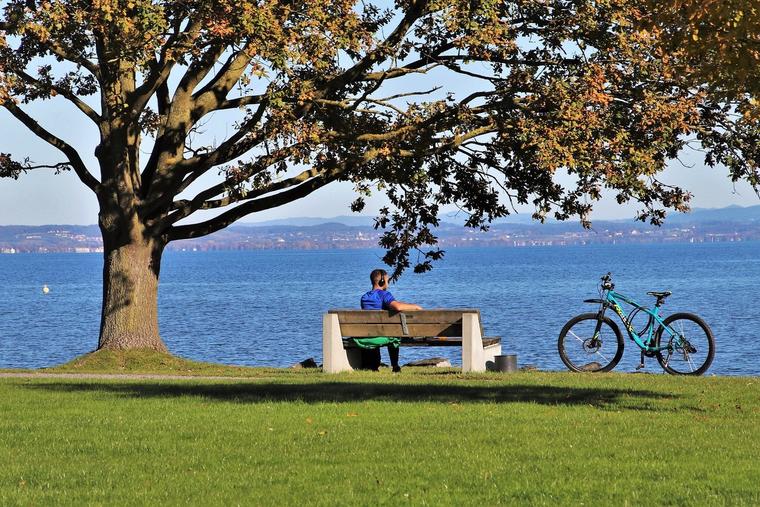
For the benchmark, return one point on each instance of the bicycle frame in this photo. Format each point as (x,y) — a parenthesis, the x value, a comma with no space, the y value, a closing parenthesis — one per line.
(613,300)
(681,342)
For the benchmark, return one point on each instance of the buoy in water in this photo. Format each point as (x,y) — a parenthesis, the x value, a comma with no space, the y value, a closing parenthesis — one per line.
(45,289)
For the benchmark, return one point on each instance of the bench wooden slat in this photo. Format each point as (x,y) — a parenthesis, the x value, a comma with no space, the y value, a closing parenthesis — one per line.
(433,342)
(369,330)
(353,316)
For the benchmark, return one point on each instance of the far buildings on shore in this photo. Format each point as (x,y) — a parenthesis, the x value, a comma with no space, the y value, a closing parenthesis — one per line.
(705,226)
(50,239)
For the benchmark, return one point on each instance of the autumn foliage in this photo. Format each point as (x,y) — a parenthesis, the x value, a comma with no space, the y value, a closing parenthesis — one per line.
(715,46)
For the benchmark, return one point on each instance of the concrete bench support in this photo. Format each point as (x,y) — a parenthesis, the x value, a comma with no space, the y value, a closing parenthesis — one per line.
(473,355)
(335,357)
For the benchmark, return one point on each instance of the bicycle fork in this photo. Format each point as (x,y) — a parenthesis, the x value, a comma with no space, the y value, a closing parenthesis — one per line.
(599,319)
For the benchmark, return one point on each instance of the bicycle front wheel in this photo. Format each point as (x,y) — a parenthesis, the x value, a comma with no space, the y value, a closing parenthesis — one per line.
(690,345)
(581,350)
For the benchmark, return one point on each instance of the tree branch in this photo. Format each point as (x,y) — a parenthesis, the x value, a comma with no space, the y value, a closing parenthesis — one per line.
(189,170)
(185,208)
(248,100)
(67,94)
(416,10)
(61,52)
(272,201)
(162,67)
(215,91)
(198,70)
(60,166)
(71,154)
(397,72)
(171,136)
(230,149)
(428,62)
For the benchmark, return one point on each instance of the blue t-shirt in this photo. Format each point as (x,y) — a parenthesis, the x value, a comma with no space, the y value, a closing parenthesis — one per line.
(377,299)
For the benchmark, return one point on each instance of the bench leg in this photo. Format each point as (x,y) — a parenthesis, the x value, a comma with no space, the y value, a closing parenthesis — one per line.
(490,354)
(334,356)
(473,357)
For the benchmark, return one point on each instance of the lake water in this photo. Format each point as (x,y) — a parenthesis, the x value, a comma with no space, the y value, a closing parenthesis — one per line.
(264,308)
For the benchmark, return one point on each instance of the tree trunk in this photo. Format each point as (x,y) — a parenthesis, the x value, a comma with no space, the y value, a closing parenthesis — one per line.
(130,295)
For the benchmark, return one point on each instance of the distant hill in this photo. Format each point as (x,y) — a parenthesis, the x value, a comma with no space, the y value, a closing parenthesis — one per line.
(729,214)
(701,225)
(355,220)
(697,215)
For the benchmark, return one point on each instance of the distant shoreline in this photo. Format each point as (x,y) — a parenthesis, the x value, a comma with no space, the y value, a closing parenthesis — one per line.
(178,248)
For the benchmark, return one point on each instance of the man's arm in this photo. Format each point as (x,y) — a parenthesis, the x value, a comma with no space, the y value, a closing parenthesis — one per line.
(400,306)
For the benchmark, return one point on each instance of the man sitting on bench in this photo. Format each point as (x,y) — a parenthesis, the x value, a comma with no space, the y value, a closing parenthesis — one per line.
(380,299)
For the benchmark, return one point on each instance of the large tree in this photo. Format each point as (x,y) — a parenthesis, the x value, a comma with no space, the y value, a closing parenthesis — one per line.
(475,103)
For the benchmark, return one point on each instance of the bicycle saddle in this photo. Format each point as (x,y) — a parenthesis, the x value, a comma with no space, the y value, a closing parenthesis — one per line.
(660,294)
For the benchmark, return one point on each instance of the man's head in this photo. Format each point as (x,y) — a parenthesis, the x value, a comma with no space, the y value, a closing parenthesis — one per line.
(379,278)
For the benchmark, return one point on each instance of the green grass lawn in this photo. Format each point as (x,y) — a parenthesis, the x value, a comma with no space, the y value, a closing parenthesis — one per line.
(423,438)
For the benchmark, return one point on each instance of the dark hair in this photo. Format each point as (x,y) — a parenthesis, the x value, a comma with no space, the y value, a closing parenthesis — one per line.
(377,275)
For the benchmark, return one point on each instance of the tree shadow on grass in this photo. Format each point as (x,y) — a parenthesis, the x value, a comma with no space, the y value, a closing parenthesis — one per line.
(343,392)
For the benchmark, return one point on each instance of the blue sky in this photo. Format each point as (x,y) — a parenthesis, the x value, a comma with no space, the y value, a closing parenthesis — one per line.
(41,197)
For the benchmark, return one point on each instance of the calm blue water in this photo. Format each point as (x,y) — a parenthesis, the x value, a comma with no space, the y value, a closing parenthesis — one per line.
(265,307)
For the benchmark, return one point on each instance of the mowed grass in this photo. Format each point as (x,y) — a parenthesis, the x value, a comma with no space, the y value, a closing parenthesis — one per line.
(154,363)
(422,438)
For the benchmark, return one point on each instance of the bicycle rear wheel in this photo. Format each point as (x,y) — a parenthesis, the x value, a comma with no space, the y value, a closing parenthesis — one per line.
(690,347)
(581,351)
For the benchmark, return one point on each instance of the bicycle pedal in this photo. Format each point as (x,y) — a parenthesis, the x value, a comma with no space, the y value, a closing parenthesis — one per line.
(640,366)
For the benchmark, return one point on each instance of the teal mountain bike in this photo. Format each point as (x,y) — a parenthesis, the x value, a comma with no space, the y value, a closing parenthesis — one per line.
(682,343)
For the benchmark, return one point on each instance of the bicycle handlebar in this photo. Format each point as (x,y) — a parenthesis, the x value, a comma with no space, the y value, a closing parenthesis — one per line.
(607,281)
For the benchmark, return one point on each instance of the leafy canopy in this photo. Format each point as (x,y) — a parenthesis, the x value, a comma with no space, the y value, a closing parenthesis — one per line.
(480,104)
(715,46)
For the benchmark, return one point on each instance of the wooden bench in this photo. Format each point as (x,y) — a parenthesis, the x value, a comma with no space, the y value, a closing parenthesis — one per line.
(442,327)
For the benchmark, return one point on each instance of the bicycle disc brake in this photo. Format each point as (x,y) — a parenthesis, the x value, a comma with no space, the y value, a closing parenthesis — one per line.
(592,345)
